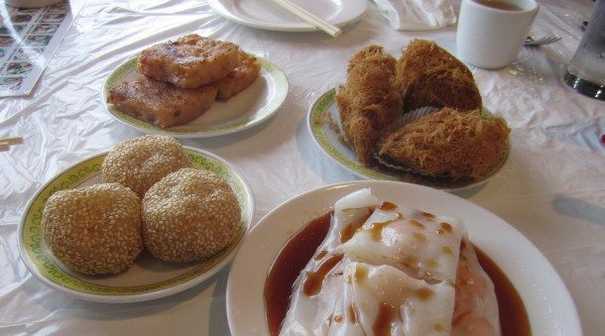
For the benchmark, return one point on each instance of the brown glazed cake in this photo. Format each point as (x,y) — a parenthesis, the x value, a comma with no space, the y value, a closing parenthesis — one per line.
(161,103)
(189,62)
(240,78)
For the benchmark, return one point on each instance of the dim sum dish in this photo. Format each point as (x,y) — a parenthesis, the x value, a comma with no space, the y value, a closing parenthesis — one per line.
(388,258)
(417,119)
(194,86)
(148,219)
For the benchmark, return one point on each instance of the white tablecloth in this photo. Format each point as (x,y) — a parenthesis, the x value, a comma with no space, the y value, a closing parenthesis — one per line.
(552,187)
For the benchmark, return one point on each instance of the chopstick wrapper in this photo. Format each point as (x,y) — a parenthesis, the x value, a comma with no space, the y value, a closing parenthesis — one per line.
(417,14)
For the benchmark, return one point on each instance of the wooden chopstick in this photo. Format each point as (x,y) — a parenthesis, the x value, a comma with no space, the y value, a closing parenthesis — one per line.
(11,141)
(7,142)
(309,17)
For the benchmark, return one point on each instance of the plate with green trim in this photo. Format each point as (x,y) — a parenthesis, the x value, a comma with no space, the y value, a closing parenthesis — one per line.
(148,278)
(256,104)
(323,121)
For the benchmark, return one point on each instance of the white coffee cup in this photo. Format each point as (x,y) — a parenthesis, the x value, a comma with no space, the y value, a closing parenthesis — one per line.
(489,37)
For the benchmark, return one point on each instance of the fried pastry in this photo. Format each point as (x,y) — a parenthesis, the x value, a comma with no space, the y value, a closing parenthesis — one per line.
(189,62)
(448,144)
(240,78)
(160,103)
(369,100)
(94,229)
(427,75)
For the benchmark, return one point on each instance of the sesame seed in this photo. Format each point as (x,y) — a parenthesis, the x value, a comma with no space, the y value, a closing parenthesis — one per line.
(94,229)
(141,162)
(189,215)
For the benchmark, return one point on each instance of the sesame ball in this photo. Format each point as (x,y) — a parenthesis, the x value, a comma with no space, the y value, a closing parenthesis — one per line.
(94,229)
(140,162)
(189,215)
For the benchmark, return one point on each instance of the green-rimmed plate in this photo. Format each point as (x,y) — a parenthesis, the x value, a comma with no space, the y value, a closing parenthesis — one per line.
(324,126)
(149,278)
(250,107)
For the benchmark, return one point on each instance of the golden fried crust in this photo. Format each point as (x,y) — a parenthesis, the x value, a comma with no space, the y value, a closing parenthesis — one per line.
(189,215)
(427,75)
(448,143)
(441,87)
(240,78)
(189,62)
(94,229)
(369,100)
(141,162)
(160,103)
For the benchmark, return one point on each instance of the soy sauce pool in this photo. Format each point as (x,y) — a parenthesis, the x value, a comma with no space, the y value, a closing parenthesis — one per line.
(300,249)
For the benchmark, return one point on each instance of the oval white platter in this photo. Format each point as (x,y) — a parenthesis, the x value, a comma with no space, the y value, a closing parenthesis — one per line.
(264,14)
(256,104)
(549,305)
(323,118)
(148,278)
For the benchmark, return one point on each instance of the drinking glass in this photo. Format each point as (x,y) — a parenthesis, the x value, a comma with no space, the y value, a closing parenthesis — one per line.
(586,71)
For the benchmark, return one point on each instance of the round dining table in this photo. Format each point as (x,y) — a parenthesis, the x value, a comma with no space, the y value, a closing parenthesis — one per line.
(552,187)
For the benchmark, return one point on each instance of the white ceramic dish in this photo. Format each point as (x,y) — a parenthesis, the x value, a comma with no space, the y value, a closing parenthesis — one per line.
(549,305)
(264,14)
(254,105)
(148,278)
(330,142)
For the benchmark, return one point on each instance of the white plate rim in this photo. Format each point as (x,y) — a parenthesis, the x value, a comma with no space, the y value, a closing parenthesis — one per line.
(277,74)
(161,293)
(573,320)
(359,173)
(221,10)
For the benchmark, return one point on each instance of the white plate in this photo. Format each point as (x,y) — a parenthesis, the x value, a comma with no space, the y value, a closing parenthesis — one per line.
(264,14)
(330,142)
(148,278)
(254,105)
(549,306)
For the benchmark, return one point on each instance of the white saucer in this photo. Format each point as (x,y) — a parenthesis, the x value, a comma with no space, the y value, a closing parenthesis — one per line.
(264,14)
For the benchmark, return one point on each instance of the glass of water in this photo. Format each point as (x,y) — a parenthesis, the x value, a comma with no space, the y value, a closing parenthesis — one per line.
(586,71)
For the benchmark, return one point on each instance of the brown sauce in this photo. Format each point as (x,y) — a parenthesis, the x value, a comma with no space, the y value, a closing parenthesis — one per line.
(503,5)
(447,228)
(352,314)
(320,255)
(314,280)
(424,293)
(290,261)
(376,228)
(427,214)
(386,314)
(348,232)
(416,223)
(300,249)
(388,206)
(513,316)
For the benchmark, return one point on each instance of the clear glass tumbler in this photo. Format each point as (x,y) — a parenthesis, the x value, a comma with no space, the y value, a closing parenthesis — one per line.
(586,71)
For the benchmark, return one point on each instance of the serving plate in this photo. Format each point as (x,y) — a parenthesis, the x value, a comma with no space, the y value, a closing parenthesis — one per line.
(264,14)
(254,105)
(550,308)
(149,278)
(323,121)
